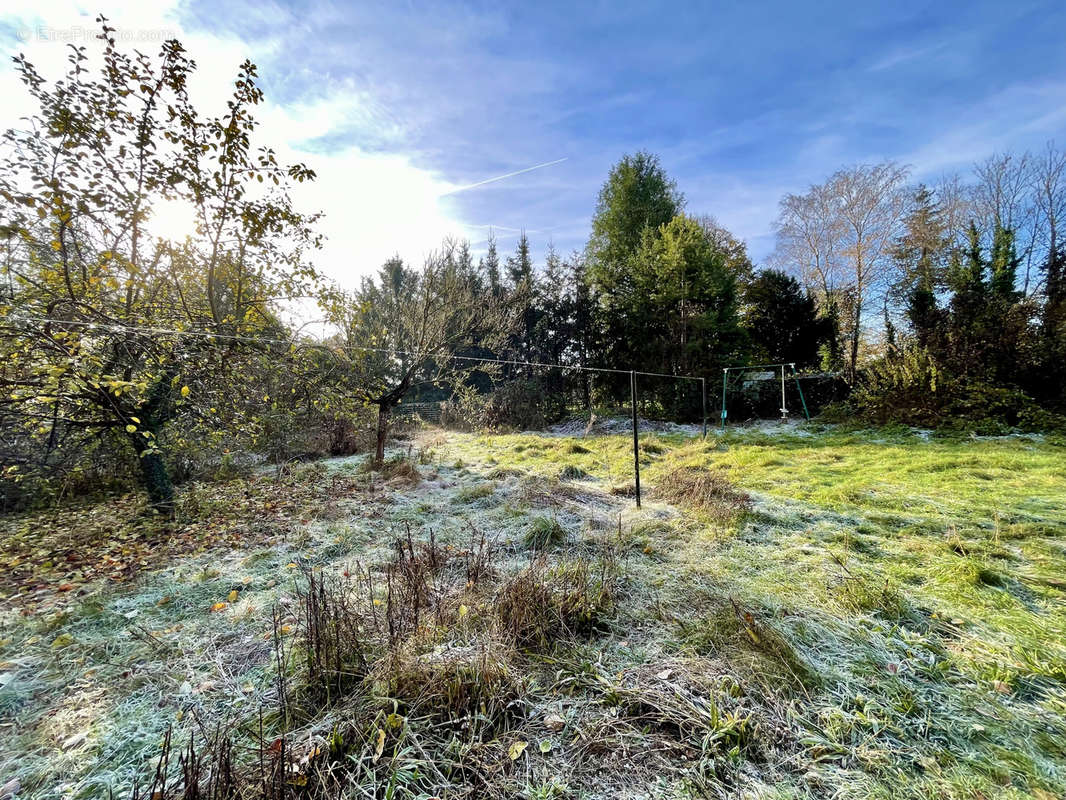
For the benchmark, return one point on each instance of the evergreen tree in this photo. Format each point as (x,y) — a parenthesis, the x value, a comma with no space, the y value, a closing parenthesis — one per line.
(636,200)
(685,300)
(1003,265)
(637,196)
(520,265)
(782,320)
(921,253)
(490,268)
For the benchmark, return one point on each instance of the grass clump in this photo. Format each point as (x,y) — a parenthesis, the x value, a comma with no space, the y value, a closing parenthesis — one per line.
(543,604)
(732,630)
(572,473)
(708,490)
(503,473)
(479,491)
(652,445)
(544,532)
(396,471)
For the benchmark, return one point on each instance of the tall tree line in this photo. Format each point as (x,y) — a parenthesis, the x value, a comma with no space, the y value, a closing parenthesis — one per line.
(656,289)
(963,276)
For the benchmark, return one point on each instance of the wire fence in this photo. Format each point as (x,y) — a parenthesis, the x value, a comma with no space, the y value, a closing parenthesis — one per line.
(650,383)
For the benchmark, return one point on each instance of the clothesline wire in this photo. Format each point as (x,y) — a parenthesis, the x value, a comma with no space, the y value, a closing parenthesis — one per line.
(119,327)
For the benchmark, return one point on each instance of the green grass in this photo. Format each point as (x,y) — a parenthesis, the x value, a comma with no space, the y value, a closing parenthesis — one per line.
(924,577)
(887,619)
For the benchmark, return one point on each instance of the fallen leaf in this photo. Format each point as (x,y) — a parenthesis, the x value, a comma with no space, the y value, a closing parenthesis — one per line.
(379,748)
(233,596)
(75,740)
(218,606)
(554,722)
(62,640)
(516,749)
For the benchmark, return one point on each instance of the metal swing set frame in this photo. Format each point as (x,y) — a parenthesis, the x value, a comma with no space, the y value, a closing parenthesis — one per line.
(749,367)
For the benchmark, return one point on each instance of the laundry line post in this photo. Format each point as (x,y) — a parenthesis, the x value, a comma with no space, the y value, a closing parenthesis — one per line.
(636,444)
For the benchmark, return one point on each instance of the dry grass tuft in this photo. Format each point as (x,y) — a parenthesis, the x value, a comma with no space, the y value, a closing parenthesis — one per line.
(401,471)
(543,604)
(709,491)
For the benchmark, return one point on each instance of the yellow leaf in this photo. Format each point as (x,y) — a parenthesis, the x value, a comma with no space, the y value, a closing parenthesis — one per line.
(291,565)
(463,611)
(379,748)
(218,606)
(62,640)
(131,429)
(517,749)
(136,420)
(233,596)
(185,391)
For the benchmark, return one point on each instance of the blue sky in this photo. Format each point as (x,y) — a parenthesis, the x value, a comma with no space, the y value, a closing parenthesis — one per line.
(401,105)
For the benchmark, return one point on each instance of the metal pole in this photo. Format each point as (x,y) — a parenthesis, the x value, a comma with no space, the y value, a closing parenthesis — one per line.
(703,383)
(725,375)
(636,445)
(784,410)
(803,400)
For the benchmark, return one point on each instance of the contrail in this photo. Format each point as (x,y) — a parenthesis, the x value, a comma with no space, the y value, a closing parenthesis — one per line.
(501,177)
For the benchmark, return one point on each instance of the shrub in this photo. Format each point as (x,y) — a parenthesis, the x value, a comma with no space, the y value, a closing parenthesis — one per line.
(910,388)
(516,405)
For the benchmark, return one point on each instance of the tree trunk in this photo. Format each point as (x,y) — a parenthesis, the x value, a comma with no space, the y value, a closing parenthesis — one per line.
(384,410)
(154,476)
(854,366)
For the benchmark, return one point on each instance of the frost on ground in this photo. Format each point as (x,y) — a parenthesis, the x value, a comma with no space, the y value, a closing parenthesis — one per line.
(815,612)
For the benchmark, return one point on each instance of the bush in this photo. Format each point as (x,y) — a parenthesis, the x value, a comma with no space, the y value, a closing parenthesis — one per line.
(909,388)
(516,405)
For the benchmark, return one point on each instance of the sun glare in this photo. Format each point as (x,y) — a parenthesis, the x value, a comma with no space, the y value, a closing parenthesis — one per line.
(173,220)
